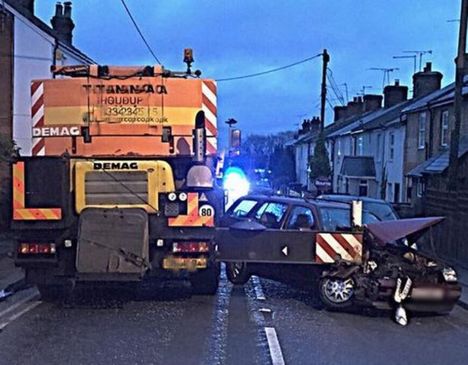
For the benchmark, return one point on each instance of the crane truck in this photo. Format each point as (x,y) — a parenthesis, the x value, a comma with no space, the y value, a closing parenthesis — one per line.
(119,186)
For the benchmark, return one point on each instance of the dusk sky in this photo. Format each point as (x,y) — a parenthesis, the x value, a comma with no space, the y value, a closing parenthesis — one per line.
(234,38)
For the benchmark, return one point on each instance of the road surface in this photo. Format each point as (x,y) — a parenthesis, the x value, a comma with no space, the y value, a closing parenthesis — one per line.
(263,322)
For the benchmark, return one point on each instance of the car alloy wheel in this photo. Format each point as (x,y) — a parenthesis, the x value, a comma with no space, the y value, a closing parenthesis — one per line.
(337,293)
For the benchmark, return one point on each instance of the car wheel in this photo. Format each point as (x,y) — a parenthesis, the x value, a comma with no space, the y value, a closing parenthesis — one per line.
(237,272)
(337,293)
(205,282)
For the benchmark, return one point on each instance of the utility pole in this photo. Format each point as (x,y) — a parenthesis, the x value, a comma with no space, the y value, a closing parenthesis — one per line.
(323,95)
(454,226)
(460,70)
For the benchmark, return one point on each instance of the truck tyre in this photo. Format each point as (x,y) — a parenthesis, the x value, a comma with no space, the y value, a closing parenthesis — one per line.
(237,272)
(337,293)
(205,282)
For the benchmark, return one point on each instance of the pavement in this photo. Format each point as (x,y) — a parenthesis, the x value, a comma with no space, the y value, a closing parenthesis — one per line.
(10,276)
(462,273)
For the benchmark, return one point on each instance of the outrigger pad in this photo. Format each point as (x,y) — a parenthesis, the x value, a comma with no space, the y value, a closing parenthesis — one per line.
(113,241)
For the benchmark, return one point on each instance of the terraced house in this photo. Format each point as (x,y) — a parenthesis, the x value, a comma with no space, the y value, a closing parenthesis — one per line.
(28,48)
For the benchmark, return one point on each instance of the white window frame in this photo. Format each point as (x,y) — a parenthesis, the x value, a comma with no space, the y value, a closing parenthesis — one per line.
(444,128)
(422,118)
(392,146)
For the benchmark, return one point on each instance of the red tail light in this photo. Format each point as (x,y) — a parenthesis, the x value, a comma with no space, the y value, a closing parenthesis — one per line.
(190,247)
(37,248)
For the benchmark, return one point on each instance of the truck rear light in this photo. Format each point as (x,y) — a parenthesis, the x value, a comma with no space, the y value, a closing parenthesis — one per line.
(37,248)
(190,247)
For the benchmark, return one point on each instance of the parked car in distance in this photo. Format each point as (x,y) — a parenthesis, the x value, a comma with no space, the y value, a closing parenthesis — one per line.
(311,242)
(382,209)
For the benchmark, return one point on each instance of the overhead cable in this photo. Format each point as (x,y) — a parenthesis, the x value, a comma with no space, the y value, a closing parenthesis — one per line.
(139,31)
(269,71)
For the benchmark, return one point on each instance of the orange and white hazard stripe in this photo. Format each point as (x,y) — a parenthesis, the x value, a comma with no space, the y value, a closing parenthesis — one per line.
(37,115)
(20,211)
(209,106)
(332,246)
(194,218)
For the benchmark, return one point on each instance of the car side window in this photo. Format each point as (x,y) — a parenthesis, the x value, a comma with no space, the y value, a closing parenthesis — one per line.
(271,214)
(243,208)
(301,218)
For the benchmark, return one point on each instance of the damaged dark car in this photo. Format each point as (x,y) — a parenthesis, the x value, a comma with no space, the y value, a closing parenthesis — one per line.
(317,243)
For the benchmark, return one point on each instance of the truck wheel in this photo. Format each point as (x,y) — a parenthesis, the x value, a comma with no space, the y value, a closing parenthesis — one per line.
(52,293)
(205,282)
(337,293)
(237,272)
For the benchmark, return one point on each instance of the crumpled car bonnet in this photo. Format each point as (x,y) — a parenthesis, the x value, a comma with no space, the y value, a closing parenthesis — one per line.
(413,228)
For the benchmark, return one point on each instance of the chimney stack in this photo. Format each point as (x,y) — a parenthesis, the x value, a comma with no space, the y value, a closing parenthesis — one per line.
(340,112)
(62,22)
(355,107)
(372,102)
(426,81)
(395,94)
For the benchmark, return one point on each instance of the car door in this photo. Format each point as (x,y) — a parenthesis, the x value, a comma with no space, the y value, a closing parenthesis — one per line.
(267,237)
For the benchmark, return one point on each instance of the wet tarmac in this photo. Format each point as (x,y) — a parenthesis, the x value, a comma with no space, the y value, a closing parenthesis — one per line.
(262,322)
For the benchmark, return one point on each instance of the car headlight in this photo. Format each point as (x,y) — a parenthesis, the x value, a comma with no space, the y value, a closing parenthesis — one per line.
(449,274)
(183,197)
(172,197)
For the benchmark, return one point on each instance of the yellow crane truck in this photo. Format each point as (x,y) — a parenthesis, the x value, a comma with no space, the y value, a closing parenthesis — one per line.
(120,182)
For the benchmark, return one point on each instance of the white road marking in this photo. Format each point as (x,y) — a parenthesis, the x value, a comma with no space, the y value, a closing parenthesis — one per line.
(20,302)
(31,305)
(258,288)
(217,347)
(274,346)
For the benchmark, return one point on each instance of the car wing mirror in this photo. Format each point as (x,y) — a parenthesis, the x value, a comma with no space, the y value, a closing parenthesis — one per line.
(251,226)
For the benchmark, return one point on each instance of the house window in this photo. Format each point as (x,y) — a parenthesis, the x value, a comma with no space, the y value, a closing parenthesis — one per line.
(444,128)
(392,145)
(396,193)
(420,188)
(422,130)
(338,147)
(363,188)
(360,146)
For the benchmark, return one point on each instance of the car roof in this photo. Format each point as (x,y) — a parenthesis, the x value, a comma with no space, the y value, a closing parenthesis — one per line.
(349,198)
(295,200)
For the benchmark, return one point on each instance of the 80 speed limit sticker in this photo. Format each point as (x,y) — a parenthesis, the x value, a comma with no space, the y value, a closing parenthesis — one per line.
(206,210)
